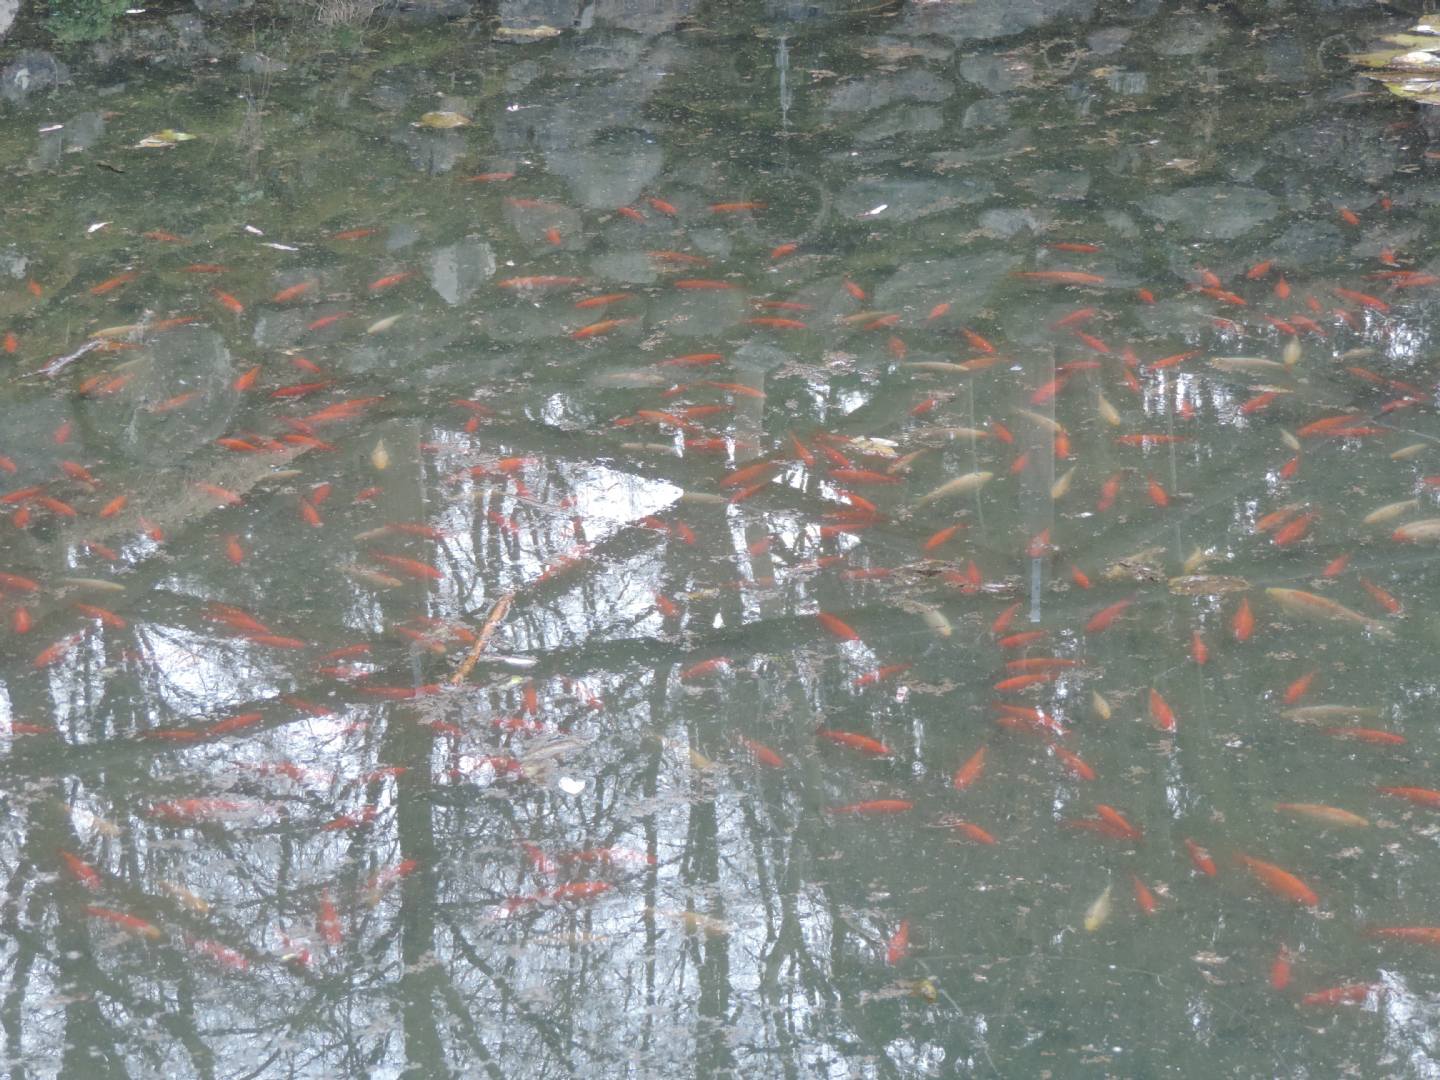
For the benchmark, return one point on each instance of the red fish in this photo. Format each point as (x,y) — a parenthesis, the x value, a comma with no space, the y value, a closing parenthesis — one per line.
(898,946)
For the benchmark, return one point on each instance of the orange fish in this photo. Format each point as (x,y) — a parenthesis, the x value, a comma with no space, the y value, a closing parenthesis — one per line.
(1059,277)
(1418,795)
(1105,617)
(855,741)
(1280,882)
(111,284)
(390,280)
(762,754)
(1073,763)
(130,923)
(1143,896)
(1161,713)
(1280,969)
(873,806)
(971,771)
(973,832)
(228,302)
(599,328)
(81,870)
(899,945)
(1243,622)
(291,292)
(1348,994)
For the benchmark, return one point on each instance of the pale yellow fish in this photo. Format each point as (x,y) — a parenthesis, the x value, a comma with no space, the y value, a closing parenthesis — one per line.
(1099,706)
(1405,453)
(1108,412)
(1061,487)
(441,120)
(937,366)
(1427,530)
(1311,606)
(1326,815)
(373,577)
(704,498)
(381,325)
(1195,560)
(1329,714)
(380,456)
(1098,912)
(959,485)
(1291,355)
(198,904)
(1291,442)
(94,584)
(699,761)
(935,619)
(1390,511)
(1042,420)
(950,433)
(1246,365)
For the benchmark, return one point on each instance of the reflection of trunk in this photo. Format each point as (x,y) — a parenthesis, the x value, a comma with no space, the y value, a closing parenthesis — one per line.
(713,1055)
(405,743)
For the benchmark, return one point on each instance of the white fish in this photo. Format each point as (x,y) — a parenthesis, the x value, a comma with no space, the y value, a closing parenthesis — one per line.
(1098,912)
(959,485)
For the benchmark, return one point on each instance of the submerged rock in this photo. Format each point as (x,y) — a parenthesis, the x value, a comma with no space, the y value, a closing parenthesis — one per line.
(8,10)
(1213,212)
(32,70)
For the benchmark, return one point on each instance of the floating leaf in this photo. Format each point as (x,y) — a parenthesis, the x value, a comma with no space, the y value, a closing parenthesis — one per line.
(440,121)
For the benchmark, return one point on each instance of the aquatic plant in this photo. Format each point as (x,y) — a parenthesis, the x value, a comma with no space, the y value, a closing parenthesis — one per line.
(83,20)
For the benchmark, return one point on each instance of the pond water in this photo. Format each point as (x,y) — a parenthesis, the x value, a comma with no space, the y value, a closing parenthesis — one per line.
(802,540)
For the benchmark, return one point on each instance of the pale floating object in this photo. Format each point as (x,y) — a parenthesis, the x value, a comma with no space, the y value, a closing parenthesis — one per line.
(1207,585)
(1061,487)
(1108,412)
(570,785)
(521,35)
(443,120)
(875,211)
(163,140)
(380,456)
(1291,356)
(886,448)
(1412,532)
(1098,912)
(1405,453)
(381,325)
(960,485)
(1391,511)
(1099,706)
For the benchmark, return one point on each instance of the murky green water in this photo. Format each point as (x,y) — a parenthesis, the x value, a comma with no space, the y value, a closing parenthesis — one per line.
(442,699)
